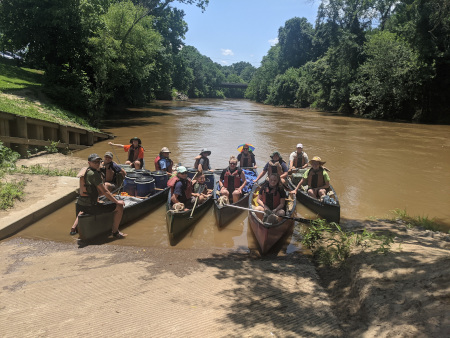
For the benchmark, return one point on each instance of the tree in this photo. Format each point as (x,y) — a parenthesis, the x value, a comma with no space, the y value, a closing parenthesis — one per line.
(283,90)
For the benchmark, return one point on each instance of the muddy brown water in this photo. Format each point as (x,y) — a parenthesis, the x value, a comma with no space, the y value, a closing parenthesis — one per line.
(375,166)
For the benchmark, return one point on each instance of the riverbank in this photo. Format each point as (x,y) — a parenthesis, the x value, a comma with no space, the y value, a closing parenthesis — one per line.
(405,292)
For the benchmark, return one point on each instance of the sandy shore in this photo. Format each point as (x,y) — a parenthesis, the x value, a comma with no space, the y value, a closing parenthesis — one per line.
(116,290)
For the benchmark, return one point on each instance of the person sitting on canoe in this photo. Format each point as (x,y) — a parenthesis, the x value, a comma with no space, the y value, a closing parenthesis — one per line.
(272,196)
(246,158)
(202,160)
(112,174)
(316,178)
(275,166)
(135,152)
(163,162)
(232,180)
(181,188)
(200,190)
(298,159)
(91,186)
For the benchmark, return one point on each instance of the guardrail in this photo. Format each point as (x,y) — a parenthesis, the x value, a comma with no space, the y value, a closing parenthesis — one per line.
(22,132)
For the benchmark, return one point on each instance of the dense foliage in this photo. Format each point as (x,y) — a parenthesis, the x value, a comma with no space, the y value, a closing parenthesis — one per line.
(375,58)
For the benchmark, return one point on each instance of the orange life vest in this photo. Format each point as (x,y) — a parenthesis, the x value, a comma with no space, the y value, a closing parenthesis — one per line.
(312,181)
(271,199)
(274,168)
(299,163)
(187,191)
(232,179)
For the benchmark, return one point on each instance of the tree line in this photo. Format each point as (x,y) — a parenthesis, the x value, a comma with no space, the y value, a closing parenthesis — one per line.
(99,54)
(386,59)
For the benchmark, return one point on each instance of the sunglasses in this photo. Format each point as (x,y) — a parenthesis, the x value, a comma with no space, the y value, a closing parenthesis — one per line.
(232,163)
(246,148)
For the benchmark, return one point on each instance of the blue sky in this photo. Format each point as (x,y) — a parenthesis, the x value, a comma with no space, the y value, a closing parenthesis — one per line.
(230,31)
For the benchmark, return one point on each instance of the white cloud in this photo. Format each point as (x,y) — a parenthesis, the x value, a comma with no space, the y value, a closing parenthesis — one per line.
(273,42)
(225,63)
(227,52)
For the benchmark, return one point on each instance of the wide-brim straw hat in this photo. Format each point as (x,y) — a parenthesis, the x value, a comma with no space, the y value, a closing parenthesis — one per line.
(135,138)
(317,159)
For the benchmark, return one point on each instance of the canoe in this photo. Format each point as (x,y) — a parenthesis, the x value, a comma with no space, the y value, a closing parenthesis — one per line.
(178,222)
(90,226)
(331,211)
(268,234)
(225,215)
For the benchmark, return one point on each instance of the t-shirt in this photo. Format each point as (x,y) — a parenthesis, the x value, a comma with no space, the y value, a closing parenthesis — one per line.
(294,153)
(92,178)
(252,159)
(164,163)
(127,147)
(283,167)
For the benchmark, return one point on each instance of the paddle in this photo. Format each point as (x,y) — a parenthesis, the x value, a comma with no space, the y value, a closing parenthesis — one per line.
(192,212)
(298,219)
(118,160)
(219,171)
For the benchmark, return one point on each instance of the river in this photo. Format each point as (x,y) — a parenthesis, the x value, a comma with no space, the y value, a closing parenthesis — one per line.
(375,166)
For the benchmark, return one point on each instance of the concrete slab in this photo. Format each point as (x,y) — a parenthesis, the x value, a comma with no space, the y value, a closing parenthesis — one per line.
(65,191)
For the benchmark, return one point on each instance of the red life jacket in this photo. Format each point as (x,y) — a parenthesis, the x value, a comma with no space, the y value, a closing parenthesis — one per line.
(313,182)
(157,166)
(232,180)
(187,191)
(268,197)
(299,163)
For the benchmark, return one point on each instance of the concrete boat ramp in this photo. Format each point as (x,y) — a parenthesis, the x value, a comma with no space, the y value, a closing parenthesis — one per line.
(51,289)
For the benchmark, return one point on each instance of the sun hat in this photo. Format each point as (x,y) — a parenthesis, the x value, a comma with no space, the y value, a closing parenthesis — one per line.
(165,150)
(300,145)
(110,154)
(181,169)
(135,138)
(276,153)
(317,159)
(204,150)
(93,157)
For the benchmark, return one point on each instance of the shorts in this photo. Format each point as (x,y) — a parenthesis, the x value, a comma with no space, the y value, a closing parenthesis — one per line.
(97,209)
(140,160)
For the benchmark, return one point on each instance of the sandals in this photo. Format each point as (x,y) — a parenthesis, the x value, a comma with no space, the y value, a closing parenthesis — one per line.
(73,231)
(119,235)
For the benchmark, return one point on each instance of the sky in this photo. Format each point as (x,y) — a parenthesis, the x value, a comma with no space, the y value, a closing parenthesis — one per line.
(231,31)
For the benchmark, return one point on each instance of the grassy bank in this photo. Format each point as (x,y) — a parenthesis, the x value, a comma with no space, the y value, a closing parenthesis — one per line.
(21,93)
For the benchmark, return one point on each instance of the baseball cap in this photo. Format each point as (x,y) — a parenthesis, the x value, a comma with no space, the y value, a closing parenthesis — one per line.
(110,154)
(299,145)
(181,169)
(93,157)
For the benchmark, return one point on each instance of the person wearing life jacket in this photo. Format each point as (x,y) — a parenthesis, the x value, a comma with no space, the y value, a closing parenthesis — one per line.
(246,158)
(232,180)
(275,166)
(202,160)
(272,196)
(135,152)
(316,178)
(112,174)
(200,189)
(163,162)
(298,159)
(181,188)
(91,186)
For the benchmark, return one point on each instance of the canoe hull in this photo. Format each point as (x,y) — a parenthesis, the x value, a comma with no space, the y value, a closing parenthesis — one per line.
(269,234)
(225,215)
(178,222)
(91,226)
(330,212)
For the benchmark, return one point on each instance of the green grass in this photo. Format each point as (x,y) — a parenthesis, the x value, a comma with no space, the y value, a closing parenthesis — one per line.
(416,221)
(23,86)
(38,169)
(10,192)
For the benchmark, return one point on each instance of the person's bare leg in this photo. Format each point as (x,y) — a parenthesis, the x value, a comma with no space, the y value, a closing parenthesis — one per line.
(118,212)
(75,224)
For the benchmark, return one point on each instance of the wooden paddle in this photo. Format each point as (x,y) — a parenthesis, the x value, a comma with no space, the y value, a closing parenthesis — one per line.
(298,219)
(118,160)
(192,212)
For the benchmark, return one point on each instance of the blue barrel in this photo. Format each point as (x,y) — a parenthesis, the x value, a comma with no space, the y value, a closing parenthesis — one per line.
(209,179)
(145,186)
(129,184)
(143,172)
(160,178)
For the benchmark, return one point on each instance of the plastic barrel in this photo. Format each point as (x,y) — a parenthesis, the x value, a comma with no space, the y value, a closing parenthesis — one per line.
(129,185)
(143,172)
(160,178)
(127,168)
(145,186)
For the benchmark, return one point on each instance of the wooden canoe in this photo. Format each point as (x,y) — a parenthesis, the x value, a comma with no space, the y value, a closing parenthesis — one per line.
(91,226)
(178,222)
(225,215)
(268,234)
(329,211)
